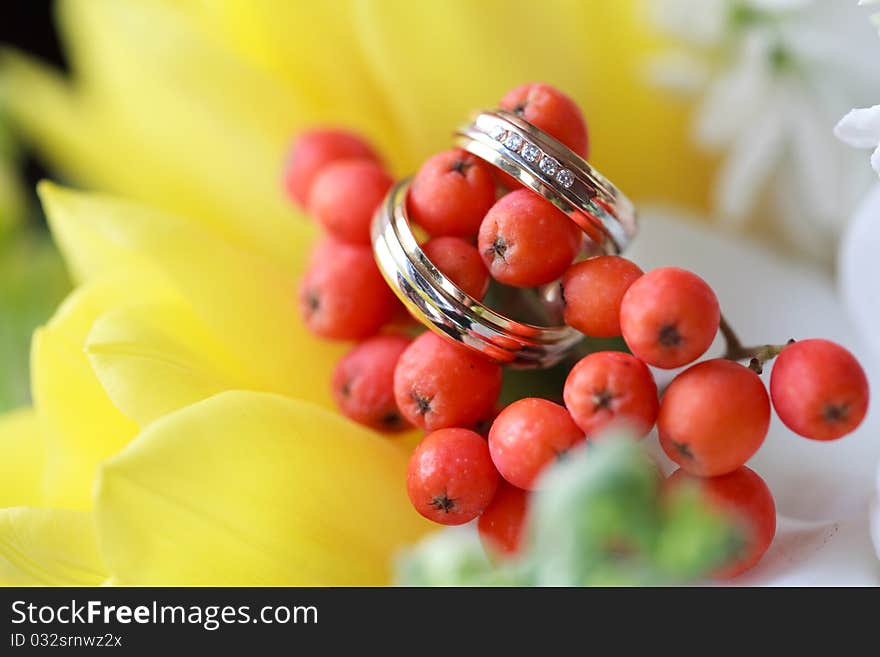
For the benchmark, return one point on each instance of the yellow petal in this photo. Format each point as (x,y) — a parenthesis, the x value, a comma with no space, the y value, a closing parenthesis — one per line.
(49,547)
(475,51)
(249,304)
(22,459)
(42,107)
(253,488)
(80,424)
(314,49)
(204,131)
(154,359)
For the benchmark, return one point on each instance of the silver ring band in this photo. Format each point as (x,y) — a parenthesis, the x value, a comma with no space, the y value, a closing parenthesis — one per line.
(444,308)
(548,167)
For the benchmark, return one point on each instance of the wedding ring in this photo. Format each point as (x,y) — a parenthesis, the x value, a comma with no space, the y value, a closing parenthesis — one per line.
(439,304)
(548,167)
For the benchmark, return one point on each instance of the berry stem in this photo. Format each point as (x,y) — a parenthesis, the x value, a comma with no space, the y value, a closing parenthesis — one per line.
(757,356)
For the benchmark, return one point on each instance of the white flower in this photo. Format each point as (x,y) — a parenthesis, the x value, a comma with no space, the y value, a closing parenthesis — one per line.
(861,129)
(775,75)
(875,17)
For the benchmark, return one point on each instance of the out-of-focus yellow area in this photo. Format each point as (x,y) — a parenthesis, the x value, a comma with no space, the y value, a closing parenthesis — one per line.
(190,105)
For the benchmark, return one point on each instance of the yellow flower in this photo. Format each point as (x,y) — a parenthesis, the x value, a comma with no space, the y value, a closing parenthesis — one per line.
(190,105)
(180,431)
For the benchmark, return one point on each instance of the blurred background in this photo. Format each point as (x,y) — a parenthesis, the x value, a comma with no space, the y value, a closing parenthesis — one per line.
(32,278)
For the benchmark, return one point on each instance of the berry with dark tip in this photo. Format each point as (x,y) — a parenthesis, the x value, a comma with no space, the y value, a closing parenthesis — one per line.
(438,384)
(529,435)
(450,478)
(611,387)
(818,389)
(669,317)
(526,241)
(342,294)
(363,383)
(451,193)
(713,417)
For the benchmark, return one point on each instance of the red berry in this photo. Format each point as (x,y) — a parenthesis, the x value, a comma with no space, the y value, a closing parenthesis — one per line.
(593,290)
(342,294)
(312,151)
(550,110)
(345,195)
(460,262)
(502,523)
(819,390)
(713,417)
(451,478)
(363,382)
(611,386)
(526,241)
(529,435)
(438,384)
(669,317)
(746,499)
(451,194)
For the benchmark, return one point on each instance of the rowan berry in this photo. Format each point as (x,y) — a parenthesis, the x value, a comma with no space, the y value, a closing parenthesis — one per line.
(501,525)
(529,435)
(450,478)
(744,498)
(550,110)
(818,389)
(312,150)
(342,294)
(593,290)
(526,241)
(460,262)
(713,417)
(438,384)
(611,387)
(344,196)
(669,317)
(451,194)
(363,383)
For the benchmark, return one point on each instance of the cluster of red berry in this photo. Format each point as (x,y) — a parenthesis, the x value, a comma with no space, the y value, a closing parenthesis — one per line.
(711,418)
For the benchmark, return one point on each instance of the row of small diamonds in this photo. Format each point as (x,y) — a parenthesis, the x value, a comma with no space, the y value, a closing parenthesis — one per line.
(549,166)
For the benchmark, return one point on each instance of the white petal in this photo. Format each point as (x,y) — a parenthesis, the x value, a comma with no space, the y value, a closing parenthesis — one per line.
(859,270)
(815,159)
(752,159)
(796,226)
(860,128)
(677,71)
(778,5)
(875,160)
(733,100)
(702,22)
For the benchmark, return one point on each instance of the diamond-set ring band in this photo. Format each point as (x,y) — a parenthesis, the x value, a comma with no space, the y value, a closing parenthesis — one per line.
(554,171)
(443,307)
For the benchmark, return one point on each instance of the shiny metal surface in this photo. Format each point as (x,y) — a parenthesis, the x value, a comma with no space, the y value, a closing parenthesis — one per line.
(554,171)
(439,304)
